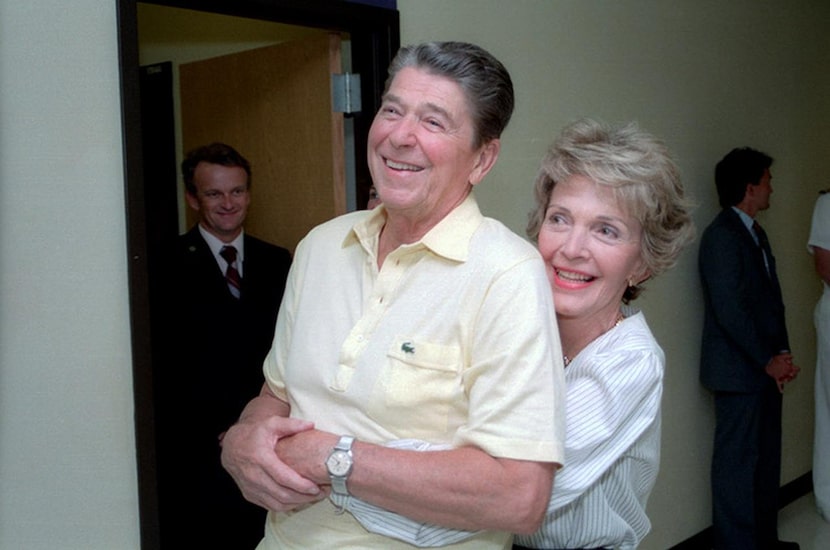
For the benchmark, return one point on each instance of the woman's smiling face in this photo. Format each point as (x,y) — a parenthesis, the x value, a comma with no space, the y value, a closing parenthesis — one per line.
(591,247)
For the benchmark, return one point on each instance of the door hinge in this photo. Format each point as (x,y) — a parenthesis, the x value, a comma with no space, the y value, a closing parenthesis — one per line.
(345,91)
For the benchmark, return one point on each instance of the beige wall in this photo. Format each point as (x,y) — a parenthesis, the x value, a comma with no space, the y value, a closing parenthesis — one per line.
(704,75)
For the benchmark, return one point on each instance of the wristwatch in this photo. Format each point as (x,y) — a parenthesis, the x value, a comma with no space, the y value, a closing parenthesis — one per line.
(339,465)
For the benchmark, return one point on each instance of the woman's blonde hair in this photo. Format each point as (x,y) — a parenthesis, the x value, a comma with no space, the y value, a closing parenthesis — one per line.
(639,170)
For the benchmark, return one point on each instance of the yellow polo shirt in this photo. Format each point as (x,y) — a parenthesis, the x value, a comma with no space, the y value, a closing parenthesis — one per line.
(453,342)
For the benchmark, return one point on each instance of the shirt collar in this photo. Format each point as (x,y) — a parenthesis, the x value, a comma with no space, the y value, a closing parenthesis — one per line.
(746,218)
(216,245)
(748,221)
(449,238)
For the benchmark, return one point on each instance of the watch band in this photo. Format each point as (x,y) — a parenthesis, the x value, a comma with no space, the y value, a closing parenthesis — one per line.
(338,483)
(340,501)
(339,491)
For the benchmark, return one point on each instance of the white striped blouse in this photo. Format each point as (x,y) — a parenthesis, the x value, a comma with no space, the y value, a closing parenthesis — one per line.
(612,443)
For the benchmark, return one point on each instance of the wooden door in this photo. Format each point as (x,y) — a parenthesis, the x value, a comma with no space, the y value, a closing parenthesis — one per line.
(274,105)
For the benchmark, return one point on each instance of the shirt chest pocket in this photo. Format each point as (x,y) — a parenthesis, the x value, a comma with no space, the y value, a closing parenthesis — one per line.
(417,388)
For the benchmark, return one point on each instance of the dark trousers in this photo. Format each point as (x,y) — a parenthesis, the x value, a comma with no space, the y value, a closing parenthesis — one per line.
(200,506)
(746,469)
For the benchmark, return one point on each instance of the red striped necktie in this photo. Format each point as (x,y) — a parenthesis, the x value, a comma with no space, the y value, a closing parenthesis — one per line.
(232,273)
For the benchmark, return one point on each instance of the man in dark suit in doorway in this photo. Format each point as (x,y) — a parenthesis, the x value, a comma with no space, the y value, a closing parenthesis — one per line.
(745,357)
(226,288)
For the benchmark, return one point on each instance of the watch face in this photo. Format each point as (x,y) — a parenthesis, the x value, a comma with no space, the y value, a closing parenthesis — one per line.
(339,463)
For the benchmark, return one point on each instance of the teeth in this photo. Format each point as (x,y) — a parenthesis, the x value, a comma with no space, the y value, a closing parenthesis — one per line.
(400,166)
(571,276)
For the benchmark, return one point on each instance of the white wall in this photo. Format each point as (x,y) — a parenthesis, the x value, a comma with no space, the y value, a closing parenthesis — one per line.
(704,75)
(67,449)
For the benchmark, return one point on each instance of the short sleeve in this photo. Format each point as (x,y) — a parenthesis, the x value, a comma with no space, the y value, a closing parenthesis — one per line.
(820,228)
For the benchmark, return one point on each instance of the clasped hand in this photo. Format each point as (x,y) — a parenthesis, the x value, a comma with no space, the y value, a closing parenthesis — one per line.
(782,369)
(249,455)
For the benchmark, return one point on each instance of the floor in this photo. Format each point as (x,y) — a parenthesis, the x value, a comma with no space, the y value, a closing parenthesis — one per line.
(799,522)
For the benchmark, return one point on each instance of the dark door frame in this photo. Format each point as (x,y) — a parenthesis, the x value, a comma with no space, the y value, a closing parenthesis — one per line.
(375,36)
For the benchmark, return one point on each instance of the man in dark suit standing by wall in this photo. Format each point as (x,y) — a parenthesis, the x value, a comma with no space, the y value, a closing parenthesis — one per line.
(226,288)
(745,357)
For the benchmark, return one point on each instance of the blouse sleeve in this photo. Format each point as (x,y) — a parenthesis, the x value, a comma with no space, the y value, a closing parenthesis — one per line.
(612,398)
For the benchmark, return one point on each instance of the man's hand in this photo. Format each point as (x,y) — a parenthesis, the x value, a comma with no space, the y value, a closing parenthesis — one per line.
(249,456)
(782,369)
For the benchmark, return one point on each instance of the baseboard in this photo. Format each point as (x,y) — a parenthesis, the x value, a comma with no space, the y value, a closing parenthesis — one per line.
(789,493)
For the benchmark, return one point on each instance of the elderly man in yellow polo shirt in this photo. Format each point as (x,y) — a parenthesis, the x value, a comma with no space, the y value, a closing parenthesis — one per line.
(418,320)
